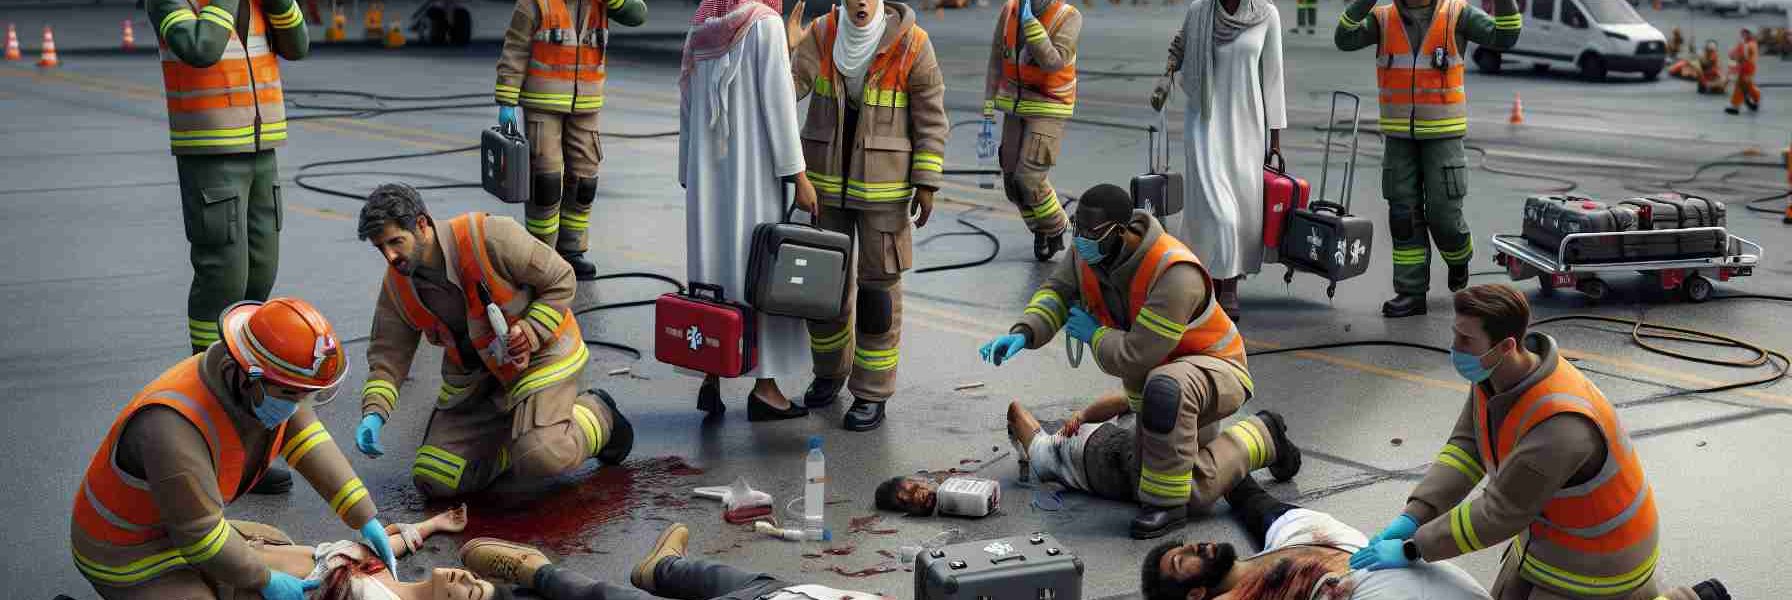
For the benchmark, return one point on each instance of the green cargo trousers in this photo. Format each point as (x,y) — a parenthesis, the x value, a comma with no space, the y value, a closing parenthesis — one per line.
(230,204)
(1424,182)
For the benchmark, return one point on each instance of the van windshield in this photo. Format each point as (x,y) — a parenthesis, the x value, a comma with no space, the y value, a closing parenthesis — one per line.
(1611,12)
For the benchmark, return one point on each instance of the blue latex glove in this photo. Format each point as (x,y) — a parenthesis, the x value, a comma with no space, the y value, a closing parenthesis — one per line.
(1385,554)
(1402,528)
(375,534)
(286,587)
(1081,326)
(367,436)
(507,116)
(999,350)
(1026,10)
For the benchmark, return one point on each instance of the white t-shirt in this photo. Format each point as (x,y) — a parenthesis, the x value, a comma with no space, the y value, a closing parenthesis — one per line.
(1423,581)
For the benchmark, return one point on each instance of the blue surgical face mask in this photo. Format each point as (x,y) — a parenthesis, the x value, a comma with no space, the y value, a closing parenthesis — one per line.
(1469,365)
(1089,249)
(274,410)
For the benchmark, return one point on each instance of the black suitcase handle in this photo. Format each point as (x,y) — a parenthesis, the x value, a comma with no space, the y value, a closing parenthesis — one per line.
(790,211)
(1273,159)
(697,288)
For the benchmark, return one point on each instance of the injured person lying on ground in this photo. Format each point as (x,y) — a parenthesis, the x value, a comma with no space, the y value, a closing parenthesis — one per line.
(664,573)
(348,570)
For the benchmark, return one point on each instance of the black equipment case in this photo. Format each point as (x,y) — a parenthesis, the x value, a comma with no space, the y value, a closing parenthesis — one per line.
(1032,567)
(798,270)
(1158,188)
(504,164)
(1324,238)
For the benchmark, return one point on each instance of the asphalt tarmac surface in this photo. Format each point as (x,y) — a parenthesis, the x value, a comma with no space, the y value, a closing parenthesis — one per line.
(95,277)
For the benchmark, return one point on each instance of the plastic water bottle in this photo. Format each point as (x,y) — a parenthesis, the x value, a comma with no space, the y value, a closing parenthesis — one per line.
(814,491)
(986,154)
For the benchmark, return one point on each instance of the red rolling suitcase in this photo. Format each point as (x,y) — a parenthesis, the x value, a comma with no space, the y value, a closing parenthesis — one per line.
(1282,195)
(707,334)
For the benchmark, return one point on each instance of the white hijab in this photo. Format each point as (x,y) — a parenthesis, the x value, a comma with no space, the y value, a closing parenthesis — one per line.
(854,46)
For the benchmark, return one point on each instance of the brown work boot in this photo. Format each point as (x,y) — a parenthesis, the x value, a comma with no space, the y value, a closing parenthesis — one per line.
(498,560)
(671,543)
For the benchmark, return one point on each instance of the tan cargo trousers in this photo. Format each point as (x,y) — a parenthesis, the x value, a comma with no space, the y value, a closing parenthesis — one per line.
(1029,149)
(864,345)
(1184,459)
(564,152)
(467,447)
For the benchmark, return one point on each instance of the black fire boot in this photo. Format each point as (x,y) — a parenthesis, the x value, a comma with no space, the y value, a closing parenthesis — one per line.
(1458,277)
(1403,305)
(1153,522)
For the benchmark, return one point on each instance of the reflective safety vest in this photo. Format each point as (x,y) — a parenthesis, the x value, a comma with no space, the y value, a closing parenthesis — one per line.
(474,267)
(566,58)
(886,82)
(1059,86)
(1210,333)
(1746,55)
(1611,514)
(1422,95)
(233,106)
(115,507)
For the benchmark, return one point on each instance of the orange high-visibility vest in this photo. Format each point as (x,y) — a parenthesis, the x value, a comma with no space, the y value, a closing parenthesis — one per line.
(473,266)
(566,61)
(1059,85)
(1610,514)
(1210,333)
(233,106)
(1422,96)
(116,508)
(1746,54)
(886,82)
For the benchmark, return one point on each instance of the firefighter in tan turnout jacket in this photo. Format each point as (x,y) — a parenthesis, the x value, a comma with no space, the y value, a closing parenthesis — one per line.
(553,66)
(149,516)
(1144,305)
(505,404)
(874,141)
(1032,80)
(1564,481)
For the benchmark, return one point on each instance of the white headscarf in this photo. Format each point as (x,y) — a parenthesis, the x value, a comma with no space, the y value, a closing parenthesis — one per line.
(854,46)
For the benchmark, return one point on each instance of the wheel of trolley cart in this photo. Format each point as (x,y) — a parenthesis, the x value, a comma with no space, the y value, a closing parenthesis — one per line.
(1696,288)
(1594,288)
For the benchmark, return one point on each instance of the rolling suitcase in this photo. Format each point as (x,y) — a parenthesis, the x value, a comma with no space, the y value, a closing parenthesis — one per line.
(798,270)
(1323,238)
(1548,220)
(1161,191)
(706,334)
(504,164)
(1029,567)
(1282,193)
(1676,211)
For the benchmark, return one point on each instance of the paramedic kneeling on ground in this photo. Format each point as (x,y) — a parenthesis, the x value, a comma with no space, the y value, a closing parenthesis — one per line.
(1566,485)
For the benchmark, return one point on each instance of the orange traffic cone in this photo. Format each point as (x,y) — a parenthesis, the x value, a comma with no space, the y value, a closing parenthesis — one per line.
(12,43)
(1517,110)
(130,37)
(338,30)
(49,57)
(394,38)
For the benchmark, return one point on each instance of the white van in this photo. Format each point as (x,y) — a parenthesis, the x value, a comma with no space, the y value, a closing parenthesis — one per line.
(1594,36)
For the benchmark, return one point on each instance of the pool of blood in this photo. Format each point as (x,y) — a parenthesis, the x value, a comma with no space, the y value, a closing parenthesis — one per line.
(564,518)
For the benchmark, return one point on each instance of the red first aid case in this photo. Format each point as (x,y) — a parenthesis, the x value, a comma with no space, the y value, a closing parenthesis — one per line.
(700,330)
(1282,195)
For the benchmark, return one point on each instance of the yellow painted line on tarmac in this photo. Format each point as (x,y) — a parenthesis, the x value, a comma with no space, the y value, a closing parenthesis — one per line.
(1672,375)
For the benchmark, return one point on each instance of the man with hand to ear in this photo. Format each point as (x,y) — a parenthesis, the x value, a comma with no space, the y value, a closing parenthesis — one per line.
(1179,358)
(1567,486)
(149,519)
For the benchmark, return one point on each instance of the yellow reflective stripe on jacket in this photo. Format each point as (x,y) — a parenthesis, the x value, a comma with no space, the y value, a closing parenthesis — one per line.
(506,93)
(1424,127)
(546,316)
(1049,306)
(299,445)
(179,16)
(1164,485)
(219,16)
(1587,585)
(824,87)
(1346,22)
(876,97)
(289,19)
(891,191)
(440,465)
(381,388)
(566,101)
(202,138)
(876,360)
(829,343)
(825,184)
(1034,108)
(1462,528)
(154,565)
(928,161)
(1159,325)
(1459,459)
(616,4)
(558,371)
(1512,21)
(1095,340)
(352,492)
(448,392)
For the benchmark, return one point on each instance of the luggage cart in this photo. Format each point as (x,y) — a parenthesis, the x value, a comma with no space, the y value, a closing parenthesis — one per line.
(1692,277)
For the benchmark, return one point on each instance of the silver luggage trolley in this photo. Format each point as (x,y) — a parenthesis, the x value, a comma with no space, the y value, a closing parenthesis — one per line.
(1692,277)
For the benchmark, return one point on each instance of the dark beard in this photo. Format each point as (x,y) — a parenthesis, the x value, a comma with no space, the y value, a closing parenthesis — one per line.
(1215,569)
